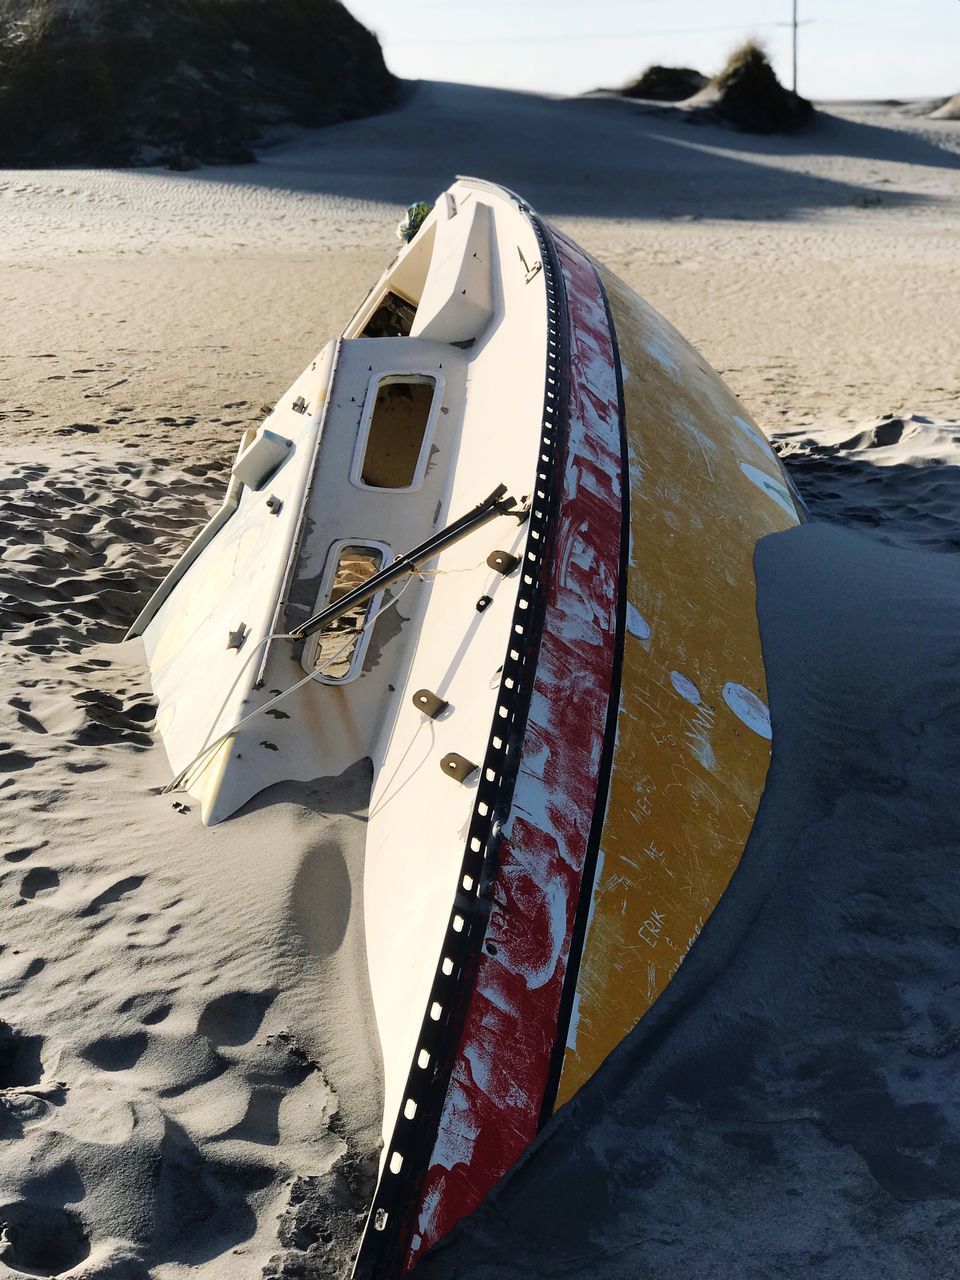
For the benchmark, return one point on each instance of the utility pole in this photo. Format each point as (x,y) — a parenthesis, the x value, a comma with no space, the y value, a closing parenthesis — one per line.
(795,25)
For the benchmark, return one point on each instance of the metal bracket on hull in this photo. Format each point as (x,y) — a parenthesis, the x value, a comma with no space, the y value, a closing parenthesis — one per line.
(458,767)
(429,703)
(503,562)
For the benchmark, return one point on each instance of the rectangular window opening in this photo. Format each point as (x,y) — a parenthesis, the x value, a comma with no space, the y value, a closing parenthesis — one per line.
(336,652)
(396,440)
(393,317)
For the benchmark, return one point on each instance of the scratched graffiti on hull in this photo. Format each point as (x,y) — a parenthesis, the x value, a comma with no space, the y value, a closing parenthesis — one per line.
(494,1099)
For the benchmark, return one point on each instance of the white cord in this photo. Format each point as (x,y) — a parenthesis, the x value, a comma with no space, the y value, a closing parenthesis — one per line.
(209,748)
(274,635)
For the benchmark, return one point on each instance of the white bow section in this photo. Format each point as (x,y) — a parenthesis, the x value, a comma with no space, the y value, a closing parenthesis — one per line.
(458,299)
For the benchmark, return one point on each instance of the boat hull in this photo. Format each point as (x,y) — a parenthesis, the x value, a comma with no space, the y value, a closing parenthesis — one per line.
(636,750)
(564,711)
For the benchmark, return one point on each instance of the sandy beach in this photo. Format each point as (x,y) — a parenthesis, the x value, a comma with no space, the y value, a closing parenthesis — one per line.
(189,1071)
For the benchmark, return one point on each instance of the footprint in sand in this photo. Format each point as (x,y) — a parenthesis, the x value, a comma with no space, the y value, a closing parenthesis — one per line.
(235,1018)
(21,707)
(41,1239)
(148,1007)
(20,1062)
(116,1053)
(109,720)
(14,761)
(78,428)
(89,766)
(24,851)
(113,894)
(39,880)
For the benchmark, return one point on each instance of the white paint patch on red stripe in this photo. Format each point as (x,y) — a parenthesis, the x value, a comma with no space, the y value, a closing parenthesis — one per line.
(493,1103)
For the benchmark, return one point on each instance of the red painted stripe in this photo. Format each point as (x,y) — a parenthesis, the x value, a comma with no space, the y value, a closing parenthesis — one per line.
(492,1107)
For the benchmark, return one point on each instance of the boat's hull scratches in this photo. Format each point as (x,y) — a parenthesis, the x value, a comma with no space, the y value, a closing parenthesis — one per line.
(692,732)
(493,1068)
(502,1070)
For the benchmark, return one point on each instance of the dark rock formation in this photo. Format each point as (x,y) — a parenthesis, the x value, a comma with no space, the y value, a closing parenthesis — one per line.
(176,82)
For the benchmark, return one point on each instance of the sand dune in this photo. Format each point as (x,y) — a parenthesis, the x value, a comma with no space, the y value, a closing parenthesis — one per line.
(178,82)
(189,1081)
(950,110)
(899,477)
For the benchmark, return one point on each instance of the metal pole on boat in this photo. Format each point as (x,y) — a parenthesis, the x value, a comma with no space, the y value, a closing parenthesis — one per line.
(496,504)
(795,26)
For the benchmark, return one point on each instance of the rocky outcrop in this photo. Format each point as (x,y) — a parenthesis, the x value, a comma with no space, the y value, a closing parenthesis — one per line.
(176,82)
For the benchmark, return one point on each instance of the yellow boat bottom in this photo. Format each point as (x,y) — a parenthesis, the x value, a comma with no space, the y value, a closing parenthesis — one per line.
(693,733)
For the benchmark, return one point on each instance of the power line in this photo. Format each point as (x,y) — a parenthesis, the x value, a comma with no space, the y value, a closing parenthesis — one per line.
(511,5)
(565,38)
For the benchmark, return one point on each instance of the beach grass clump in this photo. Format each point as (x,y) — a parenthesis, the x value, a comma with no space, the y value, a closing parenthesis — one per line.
(748,95)
(665,84)
(177,82)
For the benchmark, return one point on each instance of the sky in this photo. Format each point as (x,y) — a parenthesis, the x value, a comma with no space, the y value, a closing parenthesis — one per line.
(847,48)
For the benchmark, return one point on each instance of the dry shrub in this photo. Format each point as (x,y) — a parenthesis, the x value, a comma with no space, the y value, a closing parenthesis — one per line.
(665,84)
(748,94)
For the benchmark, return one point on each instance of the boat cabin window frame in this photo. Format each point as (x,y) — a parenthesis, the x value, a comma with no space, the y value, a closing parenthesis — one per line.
(311,646)
(376,381)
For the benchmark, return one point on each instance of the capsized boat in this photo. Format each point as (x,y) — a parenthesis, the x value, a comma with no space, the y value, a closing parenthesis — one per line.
(497,539)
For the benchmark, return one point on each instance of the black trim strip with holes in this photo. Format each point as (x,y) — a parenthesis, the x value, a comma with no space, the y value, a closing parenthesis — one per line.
(588,878)
(392,1222)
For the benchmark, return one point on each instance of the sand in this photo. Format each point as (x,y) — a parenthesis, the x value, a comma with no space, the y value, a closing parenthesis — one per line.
(189,1079)
(161,1050)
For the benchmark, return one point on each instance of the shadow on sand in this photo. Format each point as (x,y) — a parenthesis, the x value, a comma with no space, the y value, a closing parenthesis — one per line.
(827,134)
(580,156)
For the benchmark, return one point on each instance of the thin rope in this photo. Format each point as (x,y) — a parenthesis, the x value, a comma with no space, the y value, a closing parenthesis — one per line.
(209,748)
(274,635)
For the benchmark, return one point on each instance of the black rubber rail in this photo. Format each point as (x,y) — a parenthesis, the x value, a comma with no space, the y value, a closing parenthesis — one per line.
(497,504)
